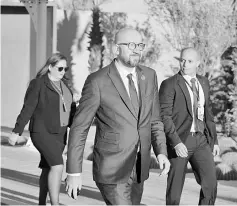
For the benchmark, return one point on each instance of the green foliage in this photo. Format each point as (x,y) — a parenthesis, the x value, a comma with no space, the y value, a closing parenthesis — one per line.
(227,169)
(225,172)
(230,63)
(206,25)
(230,158)
(111,23)
(96,42)
(219,95)
(152,51)
(224,93)
(78,4)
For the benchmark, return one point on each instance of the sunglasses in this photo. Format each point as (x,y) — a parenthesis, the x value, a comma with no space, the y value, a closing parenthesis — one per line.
(62,68)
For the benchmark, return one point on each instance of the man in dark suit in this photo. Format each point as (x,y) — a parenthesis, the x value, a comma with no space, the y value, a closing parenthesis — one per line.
(123,97)
(190,129)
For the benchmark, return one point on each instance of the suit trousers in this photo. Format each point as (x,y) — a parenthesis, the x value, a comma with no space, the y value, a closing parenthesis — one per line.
(202,161)
(129,193)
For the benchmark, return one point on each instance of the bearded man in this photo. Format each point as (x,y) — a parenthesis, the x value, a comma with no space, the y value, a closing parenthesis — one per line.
(123,97)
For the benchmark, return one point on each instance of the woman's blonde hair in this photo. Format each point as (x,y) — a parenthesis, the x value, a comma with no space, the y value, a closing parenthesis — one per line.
(53,60)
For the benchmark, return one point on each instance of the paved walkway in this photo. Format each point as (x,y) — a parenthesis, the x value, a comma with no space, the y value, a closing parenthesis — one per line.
(20,175)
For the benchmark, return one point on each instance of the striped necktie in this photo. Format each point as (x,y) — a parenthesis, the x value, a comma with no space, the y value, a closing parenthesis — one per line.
(195,102)
(133,94)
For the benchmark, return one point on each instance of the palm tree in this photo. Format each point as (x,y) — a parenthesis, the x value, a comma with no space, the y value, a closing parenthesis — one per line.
(96,47)
(85,4)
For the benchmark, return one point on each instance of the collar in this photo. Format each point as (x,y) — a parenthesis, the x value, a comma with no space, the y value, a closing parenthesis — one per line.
(188,78)
(123,71)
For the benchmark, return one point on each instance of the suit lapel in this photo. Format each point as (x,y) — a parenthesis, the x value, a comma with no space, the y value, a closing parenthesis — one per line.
(141,79)
(119,85)
(204,87)
(47,83)
(184,88)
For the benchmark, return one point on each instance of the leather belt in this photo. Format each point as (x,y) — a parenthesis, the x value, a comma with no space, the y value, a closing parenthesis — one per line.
(195,133)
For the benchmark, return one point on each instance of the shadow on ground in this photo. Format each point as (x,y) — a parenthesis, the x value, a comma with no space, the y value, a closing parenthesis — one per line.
(230,199)
(33,180)
(11,197)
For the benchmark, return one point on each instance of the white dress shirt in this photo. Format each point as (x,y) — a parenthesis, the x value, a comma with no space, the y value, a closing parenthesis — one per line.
(123,73)
(201,95)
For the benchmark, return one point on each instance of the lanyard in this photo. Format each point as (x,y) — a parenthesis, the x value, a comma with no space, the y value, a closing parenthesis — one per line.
(60,91)
(192,88)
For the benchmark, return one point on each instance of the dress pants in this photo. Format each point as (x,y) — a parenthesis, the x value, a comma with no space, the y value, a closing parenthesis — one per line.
(129,193)
(202,161)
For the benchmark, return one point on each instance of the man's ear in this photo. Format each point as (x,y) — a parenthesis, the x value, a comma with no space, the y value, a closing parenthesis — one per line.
(115,50)
(198,63)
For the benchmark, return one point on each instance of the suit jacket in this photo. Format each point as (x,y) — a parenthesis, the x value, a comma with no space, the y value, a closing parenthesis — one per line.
(118,130)
(176,110)
(41,108)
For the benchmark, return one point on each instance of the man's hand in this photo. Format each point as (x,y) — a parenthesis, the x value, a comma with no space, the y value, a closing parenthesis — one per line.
(164,164)
(181,150)
(216,150)
(73,185)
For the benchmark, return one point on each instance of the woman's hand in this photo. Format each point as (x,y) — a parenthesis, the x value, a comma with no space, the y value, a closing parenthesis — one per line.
(12,139)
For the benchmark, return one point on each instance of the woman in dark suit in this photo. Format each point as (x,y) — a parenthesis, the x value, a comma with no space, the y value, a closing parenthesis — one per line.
(48,105)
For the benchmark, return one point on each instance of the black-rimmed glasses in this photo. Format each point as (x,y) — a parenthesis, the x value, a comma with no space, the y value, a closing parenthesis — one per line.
(132,45)
(62,68)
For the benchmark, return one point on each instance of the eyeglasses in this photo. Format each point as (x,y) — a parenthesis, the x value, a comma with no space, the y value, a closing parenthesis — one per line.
(132,45)
(62,68)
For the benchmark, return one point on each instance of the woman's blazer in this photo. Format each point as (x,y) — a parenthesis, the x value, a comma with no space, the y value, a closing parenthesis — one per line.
(41,108)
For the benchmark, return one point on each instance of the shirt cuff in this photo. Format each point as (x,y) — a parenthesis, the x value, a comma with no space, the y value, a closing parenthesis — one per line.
(74,174)
(177,144)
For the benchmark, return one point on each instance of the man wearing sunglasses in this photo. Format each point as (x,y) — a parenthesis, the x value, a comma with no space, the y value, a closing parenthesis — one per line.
(123,97)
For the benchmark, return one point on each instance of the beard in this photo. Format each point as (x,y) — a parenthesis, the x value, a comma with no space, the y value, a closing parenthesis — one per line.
(133,60)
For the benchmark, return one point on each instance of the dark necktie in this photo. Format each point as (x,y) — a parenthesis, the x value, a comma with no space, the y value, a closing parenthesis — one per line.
(198,124)
(133,94)
(195,102)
